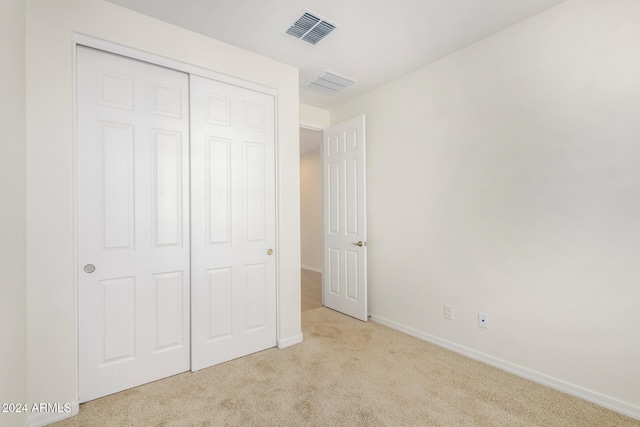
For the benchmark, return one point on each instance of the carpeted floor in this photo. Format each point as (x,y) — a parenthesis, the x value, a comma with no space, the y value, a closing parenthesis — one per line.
(346,373)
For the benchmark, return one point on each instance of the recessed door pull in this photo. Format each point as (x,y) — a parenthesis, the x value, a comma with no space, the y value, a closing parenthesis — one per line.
(89,268)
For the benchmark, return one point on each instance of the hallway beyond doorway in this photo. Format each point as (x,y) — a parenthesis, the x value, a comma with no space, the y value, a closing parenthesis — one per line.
(311,291)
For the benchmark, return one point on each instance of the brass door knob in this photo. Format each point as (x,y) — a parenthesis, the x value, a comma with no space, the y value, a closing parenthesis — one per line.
(269,251)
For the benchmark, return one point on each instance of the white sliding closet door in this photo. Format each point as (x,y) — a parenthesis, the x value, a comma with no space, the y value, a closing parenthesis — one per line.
(133,219)
(233,222)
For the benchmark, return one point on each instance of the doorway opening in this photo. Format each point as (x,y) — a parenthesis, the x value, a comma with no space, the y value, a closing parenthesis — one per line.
(334,215)
(311,218)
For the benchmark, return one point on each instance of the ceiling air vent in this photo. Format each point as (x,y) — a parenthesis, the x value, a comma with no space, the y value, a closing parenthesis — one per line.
(329,83)
(310,28)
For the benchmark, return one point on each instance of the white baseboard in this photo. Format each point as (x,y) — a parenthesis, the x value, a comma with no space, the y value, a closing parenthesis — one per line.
(38,419)
(624,408)
(307,267)
(288,342)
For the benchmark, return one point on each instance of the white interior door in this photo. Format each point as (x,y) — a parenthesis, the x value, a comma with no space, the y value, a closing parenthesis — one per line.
(133,218)
(345,218)
(233,222)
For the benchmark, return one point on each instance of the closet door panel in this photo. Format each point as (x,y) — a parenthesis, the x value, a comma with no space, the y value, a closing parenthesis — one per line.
(233,222)
(133,219)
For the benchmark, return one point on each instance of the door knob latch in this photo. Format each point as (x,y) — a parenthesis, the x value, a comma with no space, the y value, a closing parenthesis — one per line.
(360,243)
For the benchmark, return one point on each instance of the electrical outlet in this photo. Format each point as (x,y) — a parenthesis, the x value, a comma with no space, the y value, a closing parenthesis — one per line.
(483,320)
(448,312)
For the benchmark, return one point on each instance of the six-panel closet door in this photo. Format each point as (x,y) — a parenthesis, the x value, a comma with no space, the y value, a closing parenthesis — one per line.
(158,296)
(233,218)
(133,223)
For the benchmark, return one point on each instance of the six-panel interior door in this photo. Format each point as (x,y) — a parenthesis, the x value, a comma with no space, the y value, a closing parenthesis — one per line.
(133,223)
(233,222)
(345,228)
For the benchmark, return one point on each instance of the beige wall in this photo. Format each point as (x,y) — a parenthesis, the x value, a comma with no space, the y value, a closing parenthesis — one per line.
(505,179)
(13,266)
(311,209)
(50,159)
(313,117)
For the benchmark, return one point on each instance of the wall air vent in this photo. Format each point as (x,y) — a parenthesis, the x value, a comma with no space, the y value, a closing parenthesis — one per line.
(329,83)
(311,28)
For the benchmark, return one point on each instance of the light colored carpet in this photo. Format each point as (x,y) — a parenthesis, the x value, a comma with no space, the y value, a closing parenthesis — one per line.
(346,373)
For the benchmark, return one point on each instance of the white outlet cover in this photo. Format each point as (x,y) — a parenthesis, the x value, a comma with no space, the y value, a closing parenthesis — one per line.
(448,312)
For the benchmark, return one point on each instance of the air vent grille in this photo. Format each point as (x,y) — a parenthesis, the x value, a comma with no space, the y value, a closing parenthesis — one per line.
(310,28)
(329,83)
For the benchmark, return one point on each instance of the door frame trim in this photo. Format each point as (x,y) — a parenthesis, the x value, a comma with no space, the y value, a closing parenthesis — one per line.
(79,39)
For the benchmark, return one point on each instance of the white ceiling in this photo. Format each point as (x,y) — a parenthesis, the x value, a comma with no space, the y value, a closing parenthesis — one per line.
(377,41)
